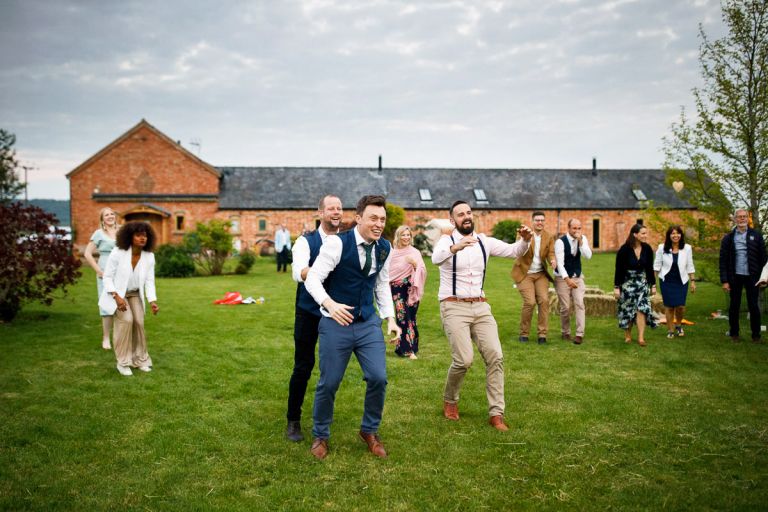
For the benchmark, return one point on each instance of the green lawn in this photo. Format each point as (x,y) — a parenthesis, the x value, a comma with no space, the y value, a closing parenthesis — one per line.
(680,424)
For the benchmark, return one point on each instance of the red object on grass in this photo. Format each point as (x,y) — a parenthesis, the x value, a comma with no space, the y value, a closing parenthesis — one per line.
(230,299)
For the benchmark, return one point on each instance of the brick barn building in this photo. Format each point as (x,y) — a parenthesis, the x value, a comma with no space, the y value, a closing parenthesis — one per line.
(145,175)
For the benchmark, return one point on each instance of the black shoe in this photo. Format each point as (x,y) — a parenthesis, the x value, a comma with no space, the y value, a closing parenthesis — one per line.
(541,341)
(523,339)
(293,432)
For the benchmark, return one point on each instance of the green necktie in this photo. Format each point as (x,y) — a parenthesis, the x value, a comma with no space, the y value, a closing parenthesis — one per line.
(367,266)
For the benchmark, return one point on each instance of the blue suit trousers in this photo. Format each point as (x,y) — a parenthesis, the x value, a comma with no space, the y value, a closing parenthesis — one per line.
(337,344)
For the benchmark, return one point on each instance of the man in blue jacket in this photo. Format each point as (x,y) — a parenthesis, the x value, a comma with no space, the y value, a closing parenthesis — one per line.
(742,256)
(354,267)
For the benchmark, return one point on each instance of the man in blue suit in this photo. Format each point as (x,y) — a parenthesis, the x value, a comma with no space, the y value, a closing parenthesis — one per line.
(351,270)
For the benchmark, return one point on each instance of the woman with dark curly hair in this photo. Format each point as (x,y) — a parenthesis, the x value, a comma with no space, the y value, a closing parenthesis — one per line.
(129,279)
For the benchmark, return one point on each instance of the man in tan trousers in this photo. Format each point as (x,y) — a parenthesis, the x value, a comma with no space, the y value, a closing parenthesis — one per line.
(462,257)
(532,278)
(569,279)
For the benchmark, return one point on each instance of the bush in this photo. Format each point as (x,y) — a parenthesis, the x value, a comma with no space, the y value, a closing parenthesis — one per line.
(245,262)
(173,261)
(506,230)
(36,258)
(210,245)
(395,219)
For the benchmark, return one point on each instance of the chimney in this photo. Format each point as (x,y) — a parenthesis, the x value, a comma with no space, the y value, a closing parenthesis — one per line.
(594,163)
(379,163)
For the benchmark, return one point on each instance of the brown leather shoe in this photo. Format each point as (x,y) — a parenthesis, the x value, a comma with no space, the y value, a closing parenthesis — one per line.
(566,336)
(319,448)
(451,411)
(578,340)
(497,422)
(374,444)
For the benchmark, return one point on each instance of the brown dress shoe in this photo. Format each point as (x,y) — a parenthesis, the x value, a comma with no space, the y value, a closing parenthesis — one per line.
(566,336)
(319,448)
(451,411)
(577,340)
(497,422)
(374,444)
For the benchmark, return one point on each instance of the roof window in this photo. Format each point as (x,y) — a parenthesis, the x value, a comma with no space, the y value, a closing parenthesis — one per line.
(639,194)
(424,194)
(480,195)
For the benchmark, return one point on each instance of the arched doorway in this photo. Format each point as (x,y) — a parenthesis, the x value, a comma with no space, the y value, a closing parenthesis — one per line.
(152,215)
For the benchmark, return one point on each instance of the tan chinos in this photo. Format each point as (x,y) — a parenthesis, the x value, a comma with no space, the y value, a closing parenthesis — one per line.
(129,338)
(464,323)
(534,288)
(566,297)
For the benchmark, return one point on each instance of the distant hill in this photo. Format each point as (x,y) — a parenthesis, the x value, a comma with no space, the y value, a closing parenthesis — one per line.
(58,207)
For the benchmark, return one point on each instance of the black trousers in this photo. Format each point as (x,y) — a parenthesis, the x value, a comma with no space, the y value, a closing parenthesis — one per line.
(747,284)
(304,340)
(283,258)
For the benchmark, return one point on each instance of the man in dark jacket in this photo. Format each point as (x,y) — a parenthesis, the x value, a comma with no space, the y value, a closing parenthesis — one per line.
(742,257)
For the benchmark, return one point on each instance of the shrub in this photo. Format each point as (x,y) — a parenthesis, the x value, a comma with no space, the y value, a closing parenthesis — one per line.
(395,219)
(173,261)
(245,262)
(36,258)
(210,245)
(506,230)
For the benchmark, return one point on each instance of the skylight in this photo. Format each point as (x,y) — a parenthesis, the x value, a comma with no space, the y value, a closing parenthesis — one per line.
(639,194)
(480,195)
(424,194)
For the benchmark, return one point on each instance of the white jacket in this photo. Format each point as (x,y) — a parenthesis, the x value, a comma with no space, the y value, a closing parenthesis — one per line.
(117,273)
(764,274)
(663,262)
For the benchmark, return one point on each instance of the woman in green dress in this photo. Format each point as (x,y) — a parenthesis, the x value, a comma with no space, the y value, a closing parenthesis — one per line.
(102,242)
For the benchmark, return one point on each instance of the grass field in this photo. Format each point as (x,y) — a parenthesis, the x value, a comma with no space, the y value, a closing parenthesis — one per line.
(678,425)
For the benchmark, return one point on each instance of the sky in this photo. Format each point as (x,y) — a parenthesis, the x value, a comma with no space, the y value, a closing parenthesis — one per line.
(444,83)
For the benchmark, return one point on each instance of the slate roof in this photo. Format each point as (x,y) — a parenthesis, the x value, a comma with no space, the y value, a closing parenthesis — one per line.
(248,188)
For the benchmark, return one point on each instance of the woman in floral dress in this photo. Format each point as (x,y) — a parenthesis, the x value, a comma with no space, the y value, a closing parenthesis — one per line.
(407,275)
(634,283)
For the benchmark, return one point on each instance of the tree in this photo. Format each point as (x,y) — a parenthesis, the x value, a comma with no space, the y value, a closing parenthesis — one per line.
(506,230)
(10,185)
(210,244)
(722,157)
(395,219)
(37,258)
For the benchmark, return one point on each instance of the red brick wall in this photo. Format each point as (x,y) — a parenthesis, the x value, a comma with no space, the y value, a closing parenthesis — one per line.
(614,224)
(143,162)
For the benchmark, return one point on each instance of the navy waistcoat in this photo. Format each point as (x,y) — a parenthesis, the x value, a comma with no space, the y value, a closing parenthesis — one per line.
(572,263)
(304,300)
(347,284)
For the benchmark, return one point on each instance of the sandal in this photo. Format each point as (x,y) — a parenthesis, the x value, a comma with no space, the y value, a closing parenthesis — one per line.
(641,343)
(680,331)
(627,340)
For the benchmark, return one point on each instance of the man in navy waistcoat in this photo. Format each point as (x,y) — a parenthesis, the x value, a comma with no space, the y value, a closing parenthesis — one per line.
(351,270)
(307,318)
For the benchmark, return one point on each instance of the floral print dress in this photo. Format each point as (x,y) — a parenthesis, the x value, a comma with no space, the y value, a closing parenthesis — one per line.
(405,315)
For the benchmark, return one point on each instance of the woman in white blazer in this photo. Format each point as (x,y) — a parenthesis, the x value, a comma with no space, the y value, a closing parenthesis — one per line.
(673,266)
(129,280)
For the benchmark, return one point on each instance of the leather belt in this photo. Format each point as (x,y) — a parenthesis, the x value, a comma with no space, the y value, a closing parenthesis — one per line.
(465,299)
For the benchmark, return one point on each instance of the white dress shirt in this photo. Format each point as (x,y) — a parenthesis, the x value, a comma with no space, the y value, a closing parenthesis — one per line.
(536,265)
(301,254)
(583,244)
(329,258)
(282,240)
(469,263)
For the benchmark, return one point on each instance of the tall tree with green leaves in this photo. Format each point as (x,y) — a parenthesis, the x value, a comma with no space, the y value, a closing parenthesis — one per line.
(721,156)
(10,184)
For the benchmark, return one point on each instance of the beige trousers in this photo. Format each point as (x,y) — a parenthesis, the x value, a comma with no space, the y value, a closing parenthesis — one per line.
(534,289)
(465,322)
(567,296)
(129,339)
